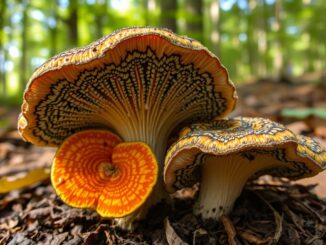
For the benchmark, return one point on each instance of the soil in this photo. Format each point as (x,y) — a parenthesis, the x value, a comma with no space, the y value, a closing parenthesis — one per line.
(269,210)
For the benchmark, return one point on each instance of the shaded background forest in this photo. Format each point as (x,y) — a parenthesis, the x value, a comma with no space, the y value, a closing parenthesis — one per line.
(261,42)
(253,38)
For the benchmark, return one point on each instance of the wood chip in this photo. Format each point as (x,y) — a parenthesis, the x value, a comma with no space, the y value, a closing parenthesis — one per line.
(278,219)
(171,236)
(230,230)
(298,127)
(252,238)
(294,237)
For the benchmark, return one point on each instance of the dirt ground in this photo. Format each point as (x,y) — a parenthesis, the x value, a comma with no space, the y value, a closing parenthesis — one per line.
(269,211)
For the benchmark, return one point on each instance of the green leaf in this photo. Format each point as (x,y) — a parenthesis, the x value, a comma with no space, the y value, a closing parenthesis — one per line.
(304,113)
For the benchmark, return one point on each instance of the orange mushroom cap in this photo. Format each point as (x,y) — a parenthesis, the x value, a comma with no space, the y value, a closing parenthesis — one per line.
(93,169)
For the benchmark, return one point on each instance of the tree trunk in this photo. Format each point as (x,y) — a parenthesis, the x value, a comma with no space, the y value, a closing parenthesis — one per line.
(168,14)
(262,40)
(251,40)
(100,15)
(73,23)
(23,59)
(212,10)
(322,54)
(53,28)
(278,59)
(194,22)
(2,50)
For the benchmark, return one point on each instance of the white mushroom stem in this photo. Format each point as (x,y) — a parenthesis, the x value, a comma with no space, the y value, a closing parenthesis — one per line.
(222,181)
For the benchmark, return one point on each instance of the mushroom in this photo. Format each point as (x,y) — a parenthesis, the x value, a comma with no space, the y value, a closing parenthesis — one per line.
(224,154)
(93,169)
(141,83)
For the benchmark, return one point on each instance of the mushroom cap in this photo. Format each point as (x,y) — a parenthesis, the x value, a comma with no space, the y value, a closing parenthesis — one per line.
(308,147)
(115,80)
(93,169)
(302,156)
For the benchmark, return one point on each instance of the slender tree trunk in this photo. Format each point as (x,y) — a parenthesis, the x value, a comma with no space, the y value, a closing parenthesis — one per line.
(238,63)
(257,38)
(213,12)
(322,38)
(312,54)
(262,39)
(168,14)
(146,12)
(194,22)
(101,12)
(251,37)
(53,28)
(73,22)
(151,12)
(2,50)
(23,59)
(323,54)
(279,59)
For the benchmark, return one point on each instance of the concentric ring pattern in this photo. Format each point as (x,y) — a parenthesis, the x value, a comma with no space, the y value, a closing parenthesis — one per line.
(93,170)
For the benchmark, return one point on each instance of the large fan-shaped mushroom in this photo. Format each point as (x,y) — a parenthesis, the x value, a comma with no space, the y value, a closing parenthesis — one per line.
(224,154)
(141,83)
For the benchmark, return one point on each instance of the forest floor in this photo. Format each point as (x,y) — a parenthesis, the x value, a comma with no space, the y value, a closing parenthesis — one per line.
(269,211)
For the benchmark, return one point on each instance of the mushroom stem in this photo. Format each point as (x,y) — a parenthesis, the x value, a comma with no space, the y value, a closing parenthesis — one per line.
(223,179)
(108,170)
(157,195)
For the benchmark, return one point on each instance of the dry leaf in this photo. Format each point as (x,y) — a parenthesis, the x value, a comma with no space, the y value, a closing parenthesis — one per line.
(198,233)
(320,131)
(319,179)
(294,237)
(278,219)
(5,149)
(171,236)
(298,127)
(14,183)
(230,230)
(295,219)
(252,238)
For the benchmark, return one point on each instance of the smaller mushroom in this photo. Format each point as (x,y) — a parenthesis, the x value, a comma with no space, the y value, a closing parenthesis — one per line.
(93,169)
(224,154)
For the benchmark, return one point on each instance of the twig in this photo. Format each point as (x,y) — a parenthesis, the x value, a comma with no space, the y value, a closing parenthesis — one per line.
(230,230)
(278,221)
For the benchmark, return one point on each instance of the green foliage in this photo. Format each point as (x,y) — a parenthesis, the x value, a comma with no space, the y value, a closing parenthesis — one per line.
(4,123)
(14,99)
(304,113)
(253,38)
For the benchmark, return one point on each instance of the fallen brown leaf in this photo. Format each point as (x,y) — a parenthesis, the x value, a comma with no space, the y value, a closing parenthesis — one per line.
(278,219)
(252,238)
(298,127)
(171,236)
(320,131)
(230,230)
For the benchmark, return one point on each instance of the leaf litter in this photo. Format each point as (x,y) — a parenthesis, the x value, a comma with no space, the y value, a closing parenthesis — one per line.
(269,210)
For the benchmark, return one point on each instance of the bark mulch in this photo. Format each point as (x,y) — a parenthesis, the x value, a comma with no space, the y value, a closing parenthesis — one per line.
(267,212)
(279,213)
